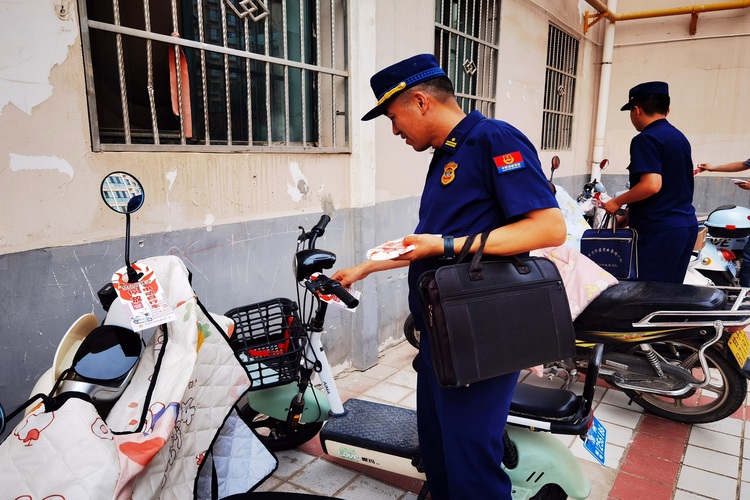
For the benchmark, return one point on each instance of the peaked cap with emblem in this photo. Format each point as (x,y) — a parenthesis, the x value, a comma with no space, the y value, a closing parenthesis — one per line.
(645,89)
(391,81)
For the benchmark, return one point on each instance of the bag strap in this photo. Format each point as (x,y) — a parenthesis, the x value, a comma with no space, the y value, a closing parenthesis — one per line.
(466,248)
(475,268)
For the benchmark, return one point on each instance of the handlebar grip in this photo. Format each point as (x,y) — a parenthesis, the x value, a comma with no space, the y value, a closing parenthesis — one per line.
(339,291)
(320,228)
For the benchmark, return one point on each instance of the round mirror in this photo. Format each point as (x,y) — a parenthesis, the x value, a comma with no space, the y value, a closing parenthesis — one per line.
(555,162)
(603,164)
(122,192)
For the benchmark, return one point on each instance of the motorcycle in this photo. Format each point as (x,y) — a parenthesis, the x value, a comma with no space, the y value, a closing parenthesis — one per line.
(280,343)
(124,414)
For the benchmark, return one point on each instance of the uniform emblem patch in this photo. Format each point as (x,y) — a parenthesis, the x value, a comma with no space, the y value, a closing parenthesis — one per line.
(449,173)
(509,162)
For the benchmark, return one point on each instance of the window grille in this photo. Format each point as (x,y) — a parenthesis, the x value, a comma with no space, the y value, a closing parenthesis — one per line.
(559,90)
(466,44)
(216,75)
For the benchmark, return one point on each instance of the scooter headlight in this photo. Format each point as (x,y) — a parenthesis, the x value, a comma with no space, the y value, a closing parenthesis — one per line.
(311,261)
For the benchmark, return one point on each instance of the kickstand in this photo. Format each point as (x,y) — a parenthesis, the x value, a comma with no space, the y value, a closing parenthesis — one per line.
(423,492)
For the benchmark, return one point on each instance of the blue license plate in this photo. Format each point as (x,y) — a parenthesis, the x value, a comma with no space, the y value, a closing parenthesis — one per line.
(596,440)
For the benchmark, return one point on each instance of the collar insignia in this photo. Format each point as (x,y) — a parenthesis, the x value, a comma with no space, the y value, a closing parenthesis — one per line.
(449,173)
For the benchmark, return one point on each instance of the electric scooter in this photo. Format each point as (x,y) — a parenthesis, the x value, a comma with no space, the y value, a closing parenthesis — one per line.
(124,414)
(280,344)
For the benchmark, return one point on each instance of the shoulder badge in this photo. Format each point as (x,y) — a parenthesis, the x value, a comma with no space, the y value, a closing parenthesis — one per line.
(449,173)
(509,162)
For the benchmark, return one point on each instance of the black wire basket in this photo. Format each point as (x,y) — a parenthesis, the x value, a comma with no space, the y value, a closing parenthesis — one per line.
(268,339)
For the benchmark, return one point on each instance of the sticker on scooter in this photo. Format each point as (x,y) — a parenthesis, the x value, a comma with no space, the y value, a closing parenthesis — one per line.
(596,440)
(144,298)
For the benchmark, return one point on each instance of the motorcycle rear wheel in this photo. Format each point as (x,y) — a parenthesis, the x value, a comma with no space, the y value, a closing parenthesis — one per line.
(276,434)
(721,398)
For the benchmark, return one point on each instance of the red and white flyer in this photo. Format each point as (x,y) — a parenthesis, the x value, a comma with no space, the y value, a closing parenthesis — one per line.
(144,298)
(389,250)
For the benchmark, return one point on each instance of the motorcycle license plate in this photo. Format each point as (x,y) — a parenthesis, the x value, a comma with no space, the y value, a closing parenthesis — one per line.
(739,346)
(596,440)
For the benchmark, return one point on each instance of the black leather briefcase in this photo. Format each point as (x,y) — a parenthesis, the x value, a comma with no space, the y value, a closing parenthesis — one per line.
(488,318)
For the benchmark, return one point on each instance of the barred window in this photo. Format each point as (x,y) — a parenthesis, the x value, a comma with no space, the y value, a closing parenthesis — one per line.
(466,45)
(559,90)
(216,75)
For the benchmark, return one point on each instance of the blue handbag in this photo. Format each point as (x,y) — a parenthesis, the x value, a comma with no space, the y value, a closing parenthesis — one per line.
(614,249)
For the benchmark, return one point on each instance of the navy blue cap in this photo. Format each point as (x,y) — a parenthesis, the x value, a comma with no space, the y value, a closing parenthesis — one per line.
(644,89)
(389,82)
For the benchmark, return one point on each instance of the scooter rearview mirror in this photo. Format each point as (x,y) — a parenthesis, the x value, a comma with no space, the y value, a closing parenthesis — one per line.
(555,166)
(123,193)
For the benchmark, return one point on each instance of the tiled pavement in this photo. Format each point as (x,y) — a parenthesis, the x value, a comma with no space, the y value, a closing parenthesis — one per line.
(647,457)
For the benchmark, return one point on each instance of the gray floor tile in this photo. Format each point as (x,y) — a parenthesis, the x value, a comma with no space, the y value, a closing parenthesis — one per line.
(706,483)
(713,440)
(712,461)
(367,488)
(323,477)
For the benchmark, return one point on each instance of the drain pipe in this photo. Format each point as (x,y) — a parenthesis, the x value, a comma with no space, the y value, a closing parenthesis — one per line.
(605,77)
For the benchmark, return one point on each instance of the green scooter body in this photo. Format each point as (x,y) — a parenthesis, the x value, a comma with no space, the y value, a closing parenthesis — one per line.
(274,402)
(543,459)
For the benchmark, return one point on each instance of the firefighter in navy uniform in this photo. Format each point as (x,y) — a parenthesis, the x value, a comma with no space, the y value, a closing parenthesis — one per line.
(484,175)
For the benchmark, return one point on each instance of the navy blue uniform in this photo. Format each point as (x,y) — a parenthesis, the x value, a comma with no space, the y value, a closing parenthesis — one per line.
(665,222)
(486,175)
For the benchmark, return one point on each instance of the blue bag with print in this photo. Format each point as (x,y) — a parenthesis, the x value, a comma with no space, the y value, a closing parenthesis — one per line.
(614,249)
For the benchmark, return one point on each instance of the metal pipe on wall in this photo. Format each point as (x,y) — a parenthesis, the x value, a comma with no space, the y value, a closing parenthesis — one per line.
(606,11)
(605,78)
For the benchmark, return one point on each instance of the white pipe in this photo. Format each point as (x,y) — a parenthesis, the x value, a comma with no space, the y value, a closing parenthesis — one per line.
(605,78)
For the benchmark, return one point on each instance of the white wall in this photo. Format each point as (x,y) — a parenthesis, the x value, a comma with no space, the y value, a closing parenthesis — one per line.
(708,75)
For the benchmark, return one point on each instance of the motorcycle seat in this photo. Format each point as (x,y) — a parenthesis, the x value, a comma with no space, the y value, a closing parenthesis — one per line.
(621,305)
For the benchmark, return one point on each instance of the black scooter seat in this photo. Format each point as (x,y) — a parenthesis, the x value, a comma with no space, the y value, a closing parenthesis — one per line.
(543,403)
(627,302)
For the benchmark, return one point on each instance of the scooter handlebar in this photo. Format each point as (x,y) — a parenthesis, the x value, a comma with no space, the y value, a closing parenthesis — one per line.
(330,286)
(320,228)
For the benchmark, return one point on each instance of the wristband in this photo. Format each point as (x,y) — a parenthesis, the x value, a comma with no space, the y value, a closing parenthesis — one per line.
(448,252)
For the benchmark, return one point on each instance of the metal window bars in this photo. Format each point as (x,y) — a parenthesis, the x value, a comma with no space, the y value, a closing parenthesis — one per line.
(466,43)
(216,75)
(559,90)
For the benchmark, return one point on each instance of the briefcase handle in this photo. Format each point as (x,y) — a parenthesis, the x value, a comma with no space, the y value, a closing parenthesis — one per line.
(609,222)
(475,267)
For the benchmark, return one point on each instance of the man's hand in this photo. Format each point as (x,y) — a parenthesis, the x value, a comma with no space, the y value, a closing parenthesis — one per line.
(351,275)
(611,206)
(425,245)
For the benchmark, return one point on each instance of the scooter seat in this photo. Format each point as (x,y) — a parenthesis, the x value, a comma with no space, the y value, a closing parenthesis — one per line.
(544,403)
(621,305)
